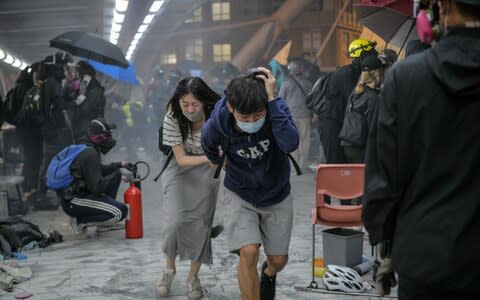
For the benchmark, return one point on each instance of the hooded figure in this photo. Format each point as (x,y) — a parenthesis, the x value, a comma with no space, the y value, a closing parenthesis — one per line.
(422,179)
(91,198)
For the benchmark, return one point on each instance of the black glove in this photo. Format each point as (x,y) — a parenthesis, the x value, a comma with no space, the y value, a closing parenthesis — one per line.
(383,273)
(130,166)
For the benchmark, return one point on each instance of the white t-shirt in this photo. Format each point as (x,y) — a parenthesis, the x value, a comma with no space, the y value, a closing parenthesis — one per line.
(173,137)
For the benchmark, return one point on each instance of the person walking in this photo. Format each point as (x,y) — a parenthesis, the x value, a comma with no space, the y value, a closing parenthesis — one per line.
(189,189)
(256,132)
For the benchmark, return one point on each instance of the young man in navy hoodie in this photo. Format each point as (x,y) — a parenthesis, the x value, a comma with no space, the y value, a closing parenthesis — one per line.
(259,132)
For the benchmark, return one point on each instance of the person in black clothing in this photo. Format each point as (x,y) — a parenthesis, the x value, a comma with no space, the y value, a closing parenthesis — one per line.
(90,200)
(56,135)
(339,88)
(422,183)
(361,107)
(30,136)
(89,102)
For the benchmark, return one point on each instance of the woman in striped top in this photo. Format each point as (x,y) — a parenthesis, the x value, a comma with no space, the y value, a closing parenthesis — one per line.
(189,189)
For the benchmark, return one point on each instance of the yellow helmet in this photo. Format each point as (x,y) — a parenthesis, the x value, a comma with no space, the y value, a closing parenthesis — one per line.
(356,47)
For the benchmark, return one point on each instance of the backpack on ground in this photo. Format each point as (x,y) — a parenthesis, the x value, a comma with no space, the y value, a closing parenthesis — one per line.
(316,100)
(59,175)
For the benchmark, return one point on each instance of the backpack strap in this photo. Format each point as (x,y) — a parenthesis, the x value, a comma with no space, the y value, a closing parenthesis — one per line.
(165,165)
(298,84)
(225,144)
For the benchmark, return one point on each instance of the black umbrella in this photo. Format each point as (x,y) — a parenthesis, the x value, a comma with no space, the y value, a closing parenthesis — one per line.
(390,19)
(91,46)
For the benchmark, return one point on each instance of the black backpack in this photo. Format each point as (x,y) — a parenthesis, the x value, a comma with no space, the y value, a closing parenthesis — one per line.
(355,126)
(316,100)
(10,107)
(30,114)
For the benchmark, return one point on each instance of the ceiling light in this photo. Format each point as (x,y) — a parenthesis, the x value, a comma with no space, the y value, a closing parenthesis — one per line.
(2,54)
(134,42)
(118,17)
(142,28)
(121,5)
(156,6)
(17,63)
(148,19)
(24,65)
(113,41)
(9,59)
(138,35)
(114,35)
(116,27)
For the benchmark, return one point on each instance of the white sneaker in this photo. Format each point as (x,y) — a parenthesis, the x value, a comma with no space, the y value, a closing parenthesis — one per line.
(164,285)
(194,289)
(79,231)
(110,226)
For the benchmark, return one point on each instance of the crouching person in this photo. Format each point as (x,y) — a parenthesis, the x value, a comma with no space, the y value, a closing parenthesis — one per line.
(87,187)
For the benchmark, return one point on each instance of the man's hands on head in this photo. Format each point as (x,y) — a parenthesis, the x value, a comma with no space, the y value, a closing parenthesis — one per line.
(269,81)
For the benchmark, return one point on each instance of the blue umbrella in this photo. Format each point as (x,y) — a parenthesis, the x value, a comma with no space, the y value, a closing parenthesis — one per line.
(127,75)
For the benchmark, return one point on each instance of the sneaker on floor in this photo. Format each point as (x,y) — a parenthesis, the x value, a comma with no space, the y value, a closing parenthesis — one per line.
(267,284)
(79,230)
(194,288)
(164,285)
(110,226)
(216,230)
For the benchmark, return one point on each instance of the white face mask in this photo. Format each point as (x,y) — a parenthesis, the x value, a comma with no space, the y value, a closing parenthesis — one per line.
(193,116)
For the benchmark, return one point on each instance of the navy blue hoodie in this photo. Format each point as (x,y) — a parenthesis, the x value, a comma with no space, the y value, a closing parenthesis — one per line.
(257,168)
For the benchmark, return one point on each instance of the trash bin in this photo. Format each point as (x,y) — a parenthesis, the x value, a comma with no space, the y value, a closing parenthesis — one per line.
(342,246)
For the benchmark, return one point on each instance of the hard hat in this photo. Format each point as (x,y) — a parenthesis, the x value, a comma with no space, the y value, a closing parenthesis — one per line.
(358,46)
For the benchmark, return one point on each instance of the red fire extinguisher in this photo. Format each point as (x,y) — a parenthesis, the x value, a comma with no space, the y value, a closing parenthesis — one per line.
(133,199)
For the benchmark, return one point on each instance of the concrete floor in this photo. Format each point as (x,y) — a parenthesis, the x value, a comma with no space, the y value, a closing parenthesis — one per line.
(109,266)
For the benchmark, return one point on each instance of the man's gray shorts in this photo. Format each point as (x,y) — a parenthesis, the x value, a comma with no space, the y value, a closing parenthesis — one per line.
(270,226)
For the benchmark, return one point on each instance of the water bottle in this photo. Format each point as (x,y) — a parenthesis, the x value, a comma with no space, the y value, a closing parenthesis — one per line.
(365,266)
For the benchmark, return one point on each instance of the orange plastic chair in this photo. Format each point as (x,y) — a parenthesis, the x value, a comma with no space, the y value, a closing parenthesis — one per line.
(340,181)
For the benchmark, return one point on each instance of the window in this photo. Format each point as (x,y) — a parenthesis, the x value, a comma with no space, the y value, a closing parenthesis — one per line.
(194,50)
(220,11)
(222,52)
(311,41)
(168,58)
(196,16)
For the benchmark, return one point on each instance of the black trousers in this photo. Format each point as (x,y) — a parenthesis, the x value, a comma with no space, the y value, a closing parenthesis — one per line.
(410,290)
(32,144)
(329,129)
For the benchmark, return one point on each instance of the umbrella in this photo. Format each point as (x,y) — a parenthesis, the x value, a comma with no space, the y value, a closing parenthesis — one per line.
(390,19)
(127,75)
(91,46)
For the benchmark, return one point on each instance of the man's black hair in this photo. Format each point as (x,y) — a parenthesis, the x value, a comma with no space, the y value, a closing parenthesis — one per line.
(246,94)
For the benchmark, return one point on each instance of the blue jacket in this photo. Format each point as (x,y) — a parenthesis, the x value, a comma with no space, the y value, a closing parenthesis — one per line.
(257,168)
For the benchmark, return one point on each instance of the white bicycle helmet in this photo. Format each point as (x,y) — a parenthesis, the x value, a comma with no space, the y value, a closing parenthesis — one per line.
(343,279)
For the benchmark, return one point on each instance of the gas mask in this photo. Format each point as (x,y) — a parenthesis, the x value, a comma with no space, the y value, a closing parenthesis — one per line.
(104,141)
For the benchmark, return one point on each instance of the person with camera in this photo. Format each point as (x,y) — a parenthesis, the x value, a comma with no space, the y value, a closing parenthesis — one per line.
(255,132)
(422,179)
(91,199)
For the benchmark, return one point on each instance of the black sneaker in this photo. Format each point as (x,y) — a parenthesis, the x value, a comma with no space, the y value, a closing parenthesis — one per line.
(216,230)
(267,284)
